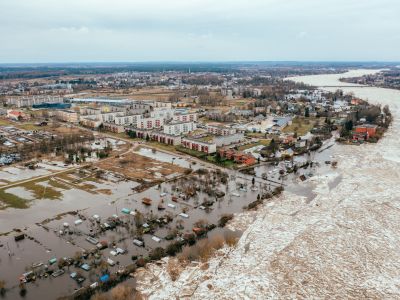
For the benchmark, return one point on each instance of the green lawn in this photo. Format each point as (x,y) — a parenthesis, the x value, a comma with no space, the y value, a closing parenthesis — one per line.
(191,152)
(224,163)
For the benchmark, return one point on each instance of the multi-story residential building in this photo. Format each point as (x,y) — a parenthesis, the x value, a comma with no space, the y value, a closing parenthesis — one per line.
(128,120)
(150,123)
(67,116)
(30,100)
(199,144)
(90,122)
(179,128)
(225,140)
(185,117)
(113,127)
(220,130)
(165,113)
(164,105)
(156,135)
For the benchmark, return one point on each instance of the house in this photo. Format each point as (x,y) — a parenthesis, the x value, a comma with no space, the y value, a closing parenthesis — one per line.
(244,158)
(237,157)
(281,122)
(369,129)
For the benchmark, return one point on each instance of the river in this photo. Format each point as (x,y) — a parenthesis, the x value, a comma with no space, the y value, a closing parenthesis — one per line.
(344,243)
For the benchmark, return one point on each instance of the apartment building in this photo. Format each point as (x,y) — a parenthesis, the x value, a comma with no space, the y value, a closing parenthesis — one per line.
(220,130)
(128,120)
(67,116)
(112,127)
(199,144)
(155,135)
(90,122)
(225,140)
(28,101)
(185,117)
(179,128)
(150,123)
(166,113)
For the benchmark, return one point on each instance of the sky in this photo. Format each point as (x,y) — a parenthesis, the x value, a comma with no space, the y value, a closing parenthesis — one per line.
(37,31)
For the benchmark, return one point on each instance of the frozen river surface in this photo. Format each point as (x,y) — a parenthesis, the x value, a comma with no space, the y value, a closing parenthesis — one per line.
(344,244)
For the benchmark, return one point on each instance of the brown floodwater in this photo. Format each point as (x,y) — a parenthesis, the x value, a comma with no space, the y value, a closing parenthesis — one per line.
(43,243)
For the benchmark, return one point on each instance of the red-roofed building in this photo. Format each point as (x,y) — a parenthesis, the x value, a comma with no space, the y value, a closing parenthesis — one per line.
(17,115)
(368,129)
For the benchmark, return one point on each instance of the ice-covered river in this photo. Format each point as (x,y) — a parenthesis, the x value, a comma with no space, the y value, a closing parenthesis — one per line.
(344,244)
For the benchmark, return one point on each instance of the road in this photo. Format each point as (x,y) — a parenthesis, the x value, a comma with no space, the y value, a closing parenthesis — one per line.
(10,185)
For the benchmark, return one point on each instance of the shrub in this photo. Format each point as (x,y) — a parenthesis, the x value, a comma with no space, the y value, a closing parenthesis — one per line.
(157,253)
(225,219)
(173,269)
(173,248)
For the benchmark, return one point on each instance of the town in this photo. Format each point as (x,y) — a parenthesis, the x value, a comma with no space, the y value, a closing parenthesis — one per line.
(117,170)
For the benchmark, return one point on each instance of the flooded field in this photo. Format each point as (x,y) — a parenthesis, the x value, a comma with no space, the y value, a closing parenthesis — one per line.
(69,210)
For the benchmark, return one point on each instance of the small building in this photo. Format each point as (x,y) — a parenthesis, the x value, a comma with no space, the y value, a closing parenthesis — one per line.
(369,129)
(17,115)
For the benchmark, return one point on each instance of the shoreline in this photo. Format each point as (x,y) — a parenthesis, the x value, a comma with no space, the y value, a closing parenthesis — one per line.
(253,220)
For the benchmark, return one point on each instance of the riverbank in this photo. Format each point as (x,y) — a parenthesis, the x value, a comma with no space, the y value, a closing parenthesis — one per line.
(341,243)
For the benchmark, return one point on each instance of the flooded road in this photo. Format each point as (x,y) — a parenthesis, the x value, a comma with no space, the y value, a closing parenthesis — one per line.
(341,242)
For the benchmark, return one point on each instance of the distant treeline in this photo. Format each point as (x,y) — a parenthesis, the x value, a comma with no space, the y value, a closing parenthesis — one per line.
(27,71)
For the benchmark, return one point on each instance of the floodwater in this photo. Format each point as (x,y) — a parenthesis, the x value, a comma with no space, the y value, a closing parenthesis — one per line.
(45,242)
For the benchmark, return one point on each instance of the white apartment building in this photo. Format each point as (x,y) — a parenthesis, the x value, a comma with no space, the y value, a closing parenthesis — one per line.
(179,128)
(165,113)
(185,117)
(220,130)
(128,120)
(159,104)
(150,123)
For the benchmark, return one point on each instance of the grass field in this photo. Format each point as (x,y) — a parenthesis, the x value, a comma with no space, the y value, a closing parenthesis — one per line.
(11,200)
(263,142)
(301,125)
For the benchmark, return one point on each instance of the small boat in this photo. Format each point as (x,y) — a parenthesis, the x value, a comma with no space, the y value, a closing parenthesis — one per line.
(235,194)
(146,201)
(171,205)
(183,215)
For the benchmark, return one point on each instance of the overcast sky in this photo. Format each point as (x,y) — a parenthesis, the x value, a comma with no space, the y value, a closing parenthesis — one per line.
(198,30)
